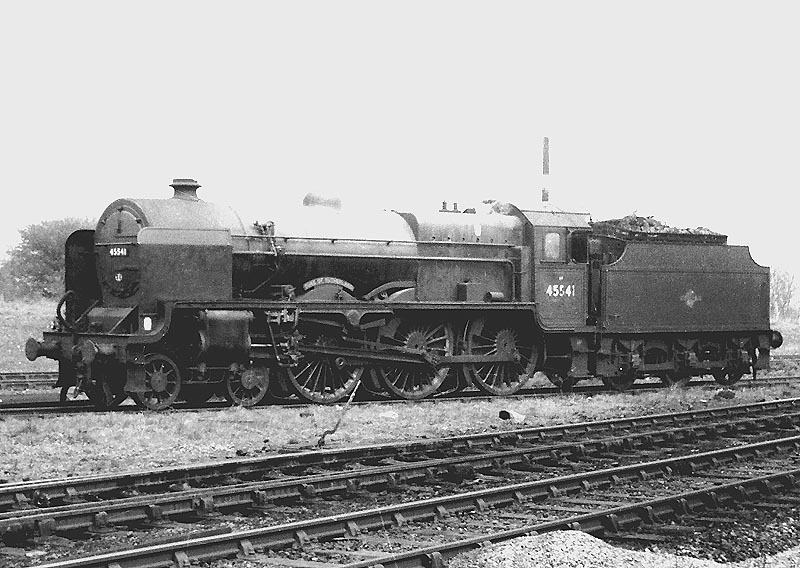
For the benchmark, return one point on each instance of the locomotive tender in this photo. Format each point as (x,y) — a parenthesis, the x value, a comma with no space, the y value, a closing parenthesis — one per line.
(179,299)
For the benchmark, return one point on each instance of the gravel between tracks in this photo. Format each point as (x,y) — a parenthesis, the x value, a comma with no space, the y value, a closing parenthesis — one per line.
(575,549)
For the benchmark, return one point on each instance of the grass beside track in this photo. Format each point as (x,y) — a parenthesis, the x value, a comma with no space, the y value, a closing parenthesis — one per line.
(78,445)
(18,321)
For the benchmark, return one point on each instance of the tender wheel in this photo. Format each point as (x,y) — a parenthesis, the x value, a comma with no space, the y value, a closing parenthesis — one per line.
(726,376)
(498,378)
(415,381)
(247,388)
(620,382)
(163,380)
(322,379)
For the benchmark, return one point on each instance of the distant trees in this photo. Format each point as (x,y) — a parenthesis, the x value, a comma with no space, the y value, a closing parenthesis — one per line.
(780,295)
(35,267)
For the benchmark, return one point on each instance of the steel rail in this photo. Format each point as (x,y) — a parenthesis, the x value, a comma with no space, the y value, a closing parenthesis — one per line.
(608,521)
(42,491)
(22,379)
(301,533)
(24,493)
(153,508)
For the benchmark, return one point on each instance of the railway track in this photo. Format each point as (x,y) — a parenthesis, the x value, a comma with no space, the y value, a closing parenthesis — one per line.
(601,477)
(82,404)
(24,380)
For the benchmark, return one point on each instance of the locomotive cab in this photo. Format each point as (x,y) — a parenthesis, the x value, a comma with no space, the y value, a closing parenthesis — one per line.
(560,281)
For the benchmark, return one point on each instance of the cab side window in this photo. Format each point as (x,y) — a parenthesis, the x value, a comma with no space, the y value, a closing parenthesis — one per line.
(552,247)
(579,246)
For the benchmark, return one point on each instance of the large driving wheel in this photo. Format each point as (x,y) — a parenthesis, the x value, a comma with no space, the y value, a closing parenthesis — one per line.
(323,379)
(415,381)
(495,339)
(163,380)
(248,387)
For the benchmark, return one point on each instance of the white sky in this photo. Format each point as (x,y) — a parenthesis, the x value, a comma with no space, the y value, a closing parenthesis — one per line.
(687,111)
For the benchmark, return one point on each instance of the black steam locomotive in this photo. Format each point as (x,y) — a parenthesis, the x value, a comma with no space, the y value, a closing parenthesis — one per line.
(179,299)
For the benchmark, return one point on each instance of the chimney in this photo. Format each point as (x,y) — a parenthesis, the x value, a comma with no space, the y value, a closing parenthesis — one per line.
(185,189)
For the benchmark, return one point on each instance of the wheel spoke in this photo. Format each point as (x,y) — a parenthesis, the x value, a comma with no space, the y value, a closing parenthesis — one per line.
(414,381)
(236,391)
(163,379)
(318,379)
(314,377)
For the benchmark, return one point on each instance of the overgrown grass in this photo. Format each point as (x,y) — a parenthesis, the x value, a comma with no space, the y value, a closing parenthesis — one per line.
(77,445)
(20,320)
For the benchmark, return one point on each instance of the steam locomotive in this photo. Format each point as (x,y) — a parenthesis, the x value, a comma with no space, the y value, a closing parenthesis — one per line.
(180,299)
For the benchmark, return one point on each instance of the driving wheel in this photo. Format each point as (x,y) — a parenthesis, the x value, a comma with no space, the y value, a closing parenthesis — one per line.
(496,339)
(415,381)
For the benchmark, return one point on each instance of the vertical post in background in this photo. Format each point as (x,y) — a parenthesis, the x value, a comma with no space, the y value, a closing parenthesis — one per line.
(546,156)
(545,167)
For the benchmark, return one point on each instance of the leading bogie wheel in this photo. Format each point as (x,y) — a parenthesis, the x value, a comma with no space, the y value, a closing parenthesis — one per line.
(163,380)
(415,381)
(248,387)
(496,339)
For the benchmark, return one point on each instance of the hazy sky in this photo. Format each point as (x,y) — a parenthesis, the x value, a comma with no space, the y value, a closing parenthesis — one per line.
(687,111)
